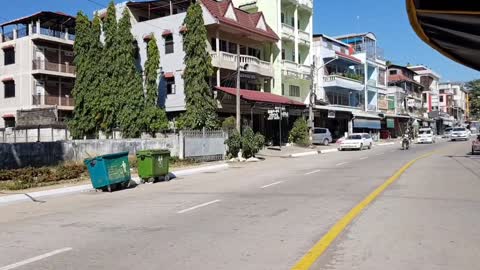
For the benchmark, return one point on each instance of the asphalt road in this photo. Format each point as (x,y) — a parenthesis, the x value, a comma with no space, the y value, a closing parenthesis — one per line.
(265,215)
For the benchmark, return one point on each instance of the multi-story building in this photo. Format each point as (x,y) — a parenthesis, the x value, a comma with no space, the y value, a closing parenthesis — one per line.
(36,65)
(453,100)
(292,21)
(364,47)
(430,80)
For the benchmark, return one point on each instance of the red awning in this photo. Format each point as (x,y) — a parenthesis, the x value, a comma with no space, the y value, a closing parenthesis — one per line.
(257,96)
(166,33)
(183,29)
(8,115)
(8,46)
(148,37)
(169,75)
(7,79)
(348,57)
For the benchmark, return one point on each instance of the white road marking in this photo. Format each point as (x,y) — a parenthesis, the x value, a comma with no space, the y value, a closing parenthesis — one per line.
(34,259)
(316,171)
(194,207)
(342,163)
(272,184)
(379,154)
(362,158)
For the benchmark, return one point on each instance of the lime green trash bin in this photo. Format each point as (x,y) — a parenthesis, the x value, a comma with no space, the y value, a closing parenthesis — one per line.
(109,171)
(153,165)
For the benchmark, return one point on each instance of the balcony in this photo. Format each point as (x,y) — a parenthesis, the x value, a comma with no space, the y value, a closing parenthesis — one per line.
(229,61)
(39,33)
(304,4)
(304,38)
(288,32)
(52,68)
(292,69)
(51,100)
(343,82)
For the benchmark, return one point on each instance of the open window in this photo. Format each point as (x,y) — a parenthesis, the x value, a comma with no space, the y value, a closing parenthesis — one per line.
(9,56)
(9,89)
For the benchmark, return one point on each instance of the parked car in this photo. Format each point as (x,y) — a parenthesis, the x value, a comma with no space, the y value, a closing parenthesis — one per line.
(460,133)
(357,141)
(476,145)
(321,136)
(425,135)
(474,131)
(447,132)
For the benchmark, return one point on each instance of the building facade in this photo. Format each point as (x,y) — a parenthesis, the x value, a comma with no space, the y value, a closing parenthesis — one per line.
(453,101)
(292,21)
(36,65)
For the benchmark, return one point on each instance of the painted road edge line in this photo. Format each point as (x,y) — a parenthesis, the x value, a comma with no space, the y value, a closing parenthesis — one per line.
(272,184)
(34,259)
(328,151)
(319,248)
(195,207)
(341,163)
(304,154)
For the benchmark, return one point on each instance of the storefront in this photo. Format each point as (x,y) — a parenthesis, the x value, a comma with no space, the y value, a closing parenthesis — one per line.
(364,122)
(336,119)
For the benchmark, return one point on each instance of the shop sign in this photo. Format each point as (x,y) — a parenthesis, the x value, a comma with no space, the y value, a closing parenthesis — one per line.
(390,123)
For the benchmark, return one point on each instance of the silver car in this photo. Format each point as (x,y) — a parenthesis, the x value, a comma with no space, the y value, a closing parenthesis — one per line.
(321,136)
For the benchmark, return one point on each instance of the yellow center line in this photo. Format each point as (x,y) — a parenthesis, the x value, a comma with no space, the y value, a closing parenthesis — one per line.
(319,248)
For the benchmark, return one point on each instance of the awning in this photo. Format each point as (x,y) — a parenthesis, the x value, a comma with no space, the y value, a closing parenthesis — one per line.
(366,123)
(334,108)
(7,79)
(348,57)
(450,27)
(166,33)
(362,114)
(397,116)
(8,115)
(262,97)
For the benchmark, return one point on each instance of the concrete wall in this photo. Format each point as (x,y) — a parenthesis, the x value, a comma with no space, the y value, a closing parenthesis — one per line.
(17,155)
(40,134)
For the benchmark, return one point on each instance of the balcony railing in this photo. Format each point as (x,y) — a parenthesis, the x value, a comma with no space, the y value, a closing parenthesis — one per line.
(229,61)
(304,36)
(288,31)
(296,70)
(24,32)
(7,36)
(52,66)
(52,100)
(306,3)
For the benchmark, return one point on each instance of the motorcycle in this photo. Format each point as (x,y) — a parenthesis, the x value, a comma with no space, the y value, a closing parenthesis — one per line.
(405,143)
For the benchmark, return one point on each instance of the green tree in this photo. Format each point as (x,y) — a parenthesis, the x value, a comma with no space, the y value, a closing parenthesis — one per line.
(128,81)
(299,133)
(155,118)
(80,125)
(107,112)
(97,75)
(474,98)
(200,104)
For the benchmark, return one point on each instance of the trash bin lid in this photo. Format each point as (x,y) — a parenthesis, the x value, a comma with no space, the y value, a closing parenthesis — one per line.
(153,152)
(114,155)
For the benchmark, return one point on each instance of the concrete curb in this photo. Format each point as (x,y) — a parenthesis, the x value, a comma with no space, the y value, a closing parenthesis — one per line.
(328,151)
(304,154)
(84,188)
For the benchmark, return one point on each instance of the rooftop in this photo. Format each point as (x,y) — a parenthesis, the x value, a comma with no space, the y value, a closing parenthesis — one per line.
(47,18)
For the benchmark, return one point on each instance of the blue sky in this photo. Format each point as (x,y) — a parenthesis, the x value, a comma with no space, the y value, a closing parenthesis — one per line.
(386,18)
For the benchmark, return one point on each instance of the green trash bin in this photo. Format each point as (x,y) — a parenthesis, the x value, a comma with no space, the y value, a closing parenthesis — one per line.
(153,165)
(109,171)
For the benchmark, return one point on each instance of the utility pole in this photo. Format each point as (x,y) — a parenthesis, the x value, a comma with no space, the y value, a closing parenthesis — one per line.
(311,101)
(238,115)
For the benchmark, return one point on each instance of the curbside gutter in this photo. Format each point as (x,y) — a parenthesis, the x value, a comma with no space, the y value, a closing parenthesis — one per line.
(4,200)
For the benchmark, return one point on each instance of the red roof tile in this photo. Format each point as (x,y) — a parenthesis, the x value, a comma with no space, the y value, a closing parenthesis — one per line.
(7,79)
(168,75)
(8,115)
(245,20)
(166,33)
(257,96)
(349,57)
(399,78)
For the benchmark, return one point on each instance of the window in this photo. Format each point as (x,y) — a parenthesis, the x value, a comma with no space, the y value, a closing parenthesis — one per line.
(168,44)
(9,122)
(232,47)
(283,54)
(441,98)
(294,91)
(243,50)
(170,86)
(319,131)
(254,52)
(283,89)
(213,43)
(283,17)
(223,45)
(292,21)
(9,56)
(9,88)
(393,72)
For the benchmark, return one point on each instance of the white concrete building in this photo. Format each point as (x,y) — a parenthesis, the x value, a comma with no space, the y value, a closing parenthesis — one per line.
(453,100)
(430,80)
(36,65)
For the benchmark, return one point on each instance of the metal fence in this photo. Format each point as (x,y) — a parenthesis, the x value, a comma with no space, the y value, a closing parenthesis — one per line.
(205,145)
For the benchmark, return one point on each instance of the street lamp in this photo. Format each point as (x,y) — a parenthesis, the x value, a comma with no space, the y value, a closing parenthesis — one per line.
(314,70)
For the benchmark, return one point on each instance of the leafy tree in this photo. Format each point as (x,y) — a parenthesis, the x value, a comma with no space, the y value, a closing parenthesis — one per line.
(251,143)
(200,104)
(109,60)
(97,76)
(128,81)
(299,133)
(155,118)
(229,124)
(474,100)
(234,144)
(80,124)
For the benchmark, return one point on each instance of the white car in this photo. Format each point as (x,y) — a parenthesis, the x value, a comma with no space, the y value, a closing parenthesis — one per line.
(425,135)
(447,132)
(460,133)
(358,141)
